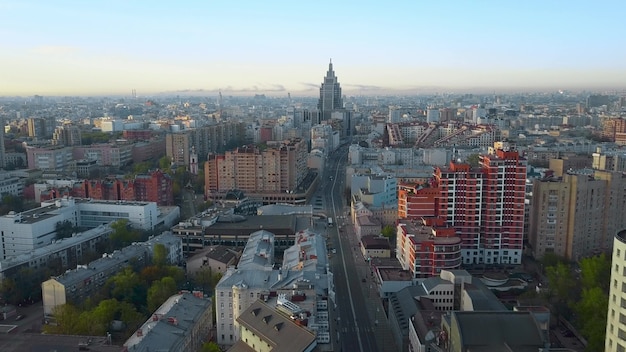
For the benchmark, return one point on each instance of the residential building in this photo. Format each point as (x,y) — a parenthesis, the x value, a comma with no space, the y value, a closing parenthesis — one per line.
(486,206)
(67,135)
(74,286)
(54,158)
(64,253)
(10,184)
(216,259)
(428,247)
(108,154)
(182,323)
(279,168)
(375,247)
(206,139)
(263,328)
(156,186)
(301,285)
(573,216)
(416,201)
(616,314)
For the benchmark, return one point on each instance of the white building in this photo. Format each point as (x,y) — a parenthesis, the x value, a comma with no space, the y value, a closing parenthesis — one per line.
(36,228)
(304,268)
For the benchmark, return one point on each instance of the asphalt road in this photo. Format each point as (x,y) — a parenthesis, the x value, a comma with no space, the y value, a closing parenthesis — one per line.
(353,323)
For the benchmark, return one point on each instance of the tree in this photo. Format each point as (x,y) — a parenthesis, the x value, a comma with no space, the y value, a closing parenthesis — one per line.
(165,163)
(210,347)
(562,286)
(67,320)
(473,160)
(160,291)
(388,231)
(596,272)
(127,286)
(159,255)
(592,310)
(122,235)
(64,229)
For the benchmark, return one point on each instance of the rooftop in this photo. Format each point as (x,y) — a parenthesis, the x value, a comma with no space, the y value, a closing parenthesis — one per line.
(278,330)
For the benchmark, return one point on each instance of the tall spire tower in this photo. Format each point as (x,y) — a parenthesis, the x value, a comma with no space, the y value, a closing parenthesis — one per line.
(330,94)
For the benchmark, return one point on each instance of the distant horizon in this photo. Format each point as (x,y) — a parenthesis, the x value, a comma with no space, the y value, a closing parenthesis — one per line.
(69,48)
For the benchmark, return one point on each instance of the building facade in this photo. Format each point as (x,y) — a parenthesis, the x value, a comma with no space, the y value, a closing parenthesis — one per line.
(330,95)
(486,206)
(280,168)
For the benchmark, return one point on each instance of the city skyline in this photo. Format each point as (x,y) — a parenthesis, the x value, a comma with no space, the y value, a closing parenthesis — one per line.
(77,48)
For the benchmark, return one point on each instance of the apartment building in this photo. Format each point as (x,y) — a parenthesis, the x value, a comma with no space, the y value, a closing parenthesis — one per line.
(616,314)
(281,167)
(205,140)
(573,216)
(182,323)
(302,279)
(486,206)
(76,285)
(427,247)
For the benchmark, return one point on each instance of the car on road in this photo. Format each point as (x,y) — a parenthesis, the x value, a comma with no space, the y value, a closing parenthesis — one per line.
(20,316)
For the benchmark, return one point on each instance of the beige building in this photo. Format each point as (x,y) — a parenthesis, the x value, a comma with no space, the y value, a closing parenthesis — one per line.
(616,315)
(574,216)
(281,167)
(205,139)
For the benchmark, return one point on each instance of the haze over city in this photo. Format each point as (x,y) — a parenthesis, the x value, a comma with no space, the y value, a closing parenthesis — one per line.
(99,48)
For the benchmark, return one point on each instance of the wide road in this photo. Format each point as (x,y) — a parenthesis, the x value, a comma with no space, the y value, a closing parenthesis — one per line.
(355,329)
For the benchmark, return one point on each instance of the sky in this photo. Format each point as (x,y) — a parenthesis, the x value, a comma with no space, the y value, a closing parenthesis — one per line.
(105,47)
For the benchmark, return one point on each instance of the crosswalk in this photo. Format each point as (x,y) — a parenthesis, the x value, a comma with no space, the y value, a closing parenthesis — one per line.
(357,329)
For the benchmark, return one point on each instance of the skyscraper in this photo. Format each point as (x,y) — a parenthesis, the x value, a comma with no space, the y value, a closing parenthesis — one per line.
(330,94)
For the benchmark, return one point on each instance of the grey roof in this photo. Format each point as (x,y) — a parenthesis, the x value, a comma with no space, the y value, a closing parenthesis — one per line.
(277,224)
(430,283)
(221,254)
(175,319)
(482,297)
(258,252)
(404,306)
(498,331)
(117,258)
(280,332)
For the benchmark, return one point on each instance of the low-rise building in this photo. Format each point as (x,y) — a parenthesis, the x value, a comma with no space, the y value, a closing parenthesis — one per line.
(180,324)
(76,285)
(263,328)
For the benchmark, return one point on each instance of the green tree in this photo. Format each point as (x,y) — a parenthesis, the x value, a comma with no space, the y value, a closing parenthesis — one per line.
(206,279)
(591,319)
(165,163)
(67,320)
(64,229)
(473,160)
(160,291)
(210,347)
(127,286)
(159,255)
(388,231)
(596,272)
(562,285)
(122,235)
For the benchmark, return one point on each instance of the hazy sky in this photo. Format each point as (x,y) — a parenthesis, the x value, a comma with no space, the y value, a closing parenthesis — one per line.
(88,47)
